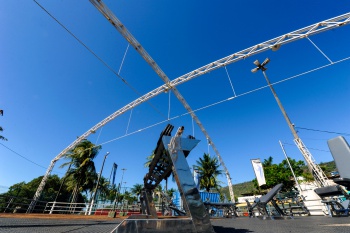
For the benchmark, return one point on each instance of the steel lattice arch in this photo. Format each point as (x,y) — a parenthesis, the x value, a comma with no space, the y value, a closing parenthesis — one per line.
(273,44)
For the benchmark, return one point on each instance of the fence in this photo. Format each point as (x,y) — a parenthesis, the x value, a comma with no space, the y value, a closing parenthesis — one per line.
(13,204)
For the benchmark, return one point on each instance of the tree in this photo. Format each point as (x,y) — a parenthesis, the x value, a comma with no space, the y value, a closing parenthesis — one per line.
(1,129)
(149,159)
(103,189)
(22,192)
(137,189)
(127,196)
(281,173)
(208,169)
(82,176)
(170,192)
(2,137)
(159,188)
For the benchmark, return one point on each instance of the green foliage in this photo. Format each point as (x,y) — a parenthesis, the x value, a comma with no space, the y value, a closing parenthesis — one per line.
(251,187)
(23,192)
(82,174)
(208,170)
(159,188)
(2,137)
(137,189)
(240,189)
(170,192)
(328,167)
(104,189)
(127,196)
(1,129)
(281,173)
(149,159)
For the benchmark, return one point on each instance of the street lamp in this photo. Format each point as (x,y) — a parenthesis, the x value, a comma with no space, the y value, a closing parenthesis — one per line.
(263,68)
(98,182)
(316,171)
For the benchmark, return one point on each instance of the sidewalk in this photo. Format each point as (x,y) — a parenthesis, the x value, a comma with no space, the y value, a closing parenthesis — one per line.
(30,223)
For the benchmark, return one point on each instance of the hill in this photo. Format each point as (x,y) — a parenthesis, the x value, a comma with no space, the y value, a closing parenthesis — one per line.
(248,187)
(239,189)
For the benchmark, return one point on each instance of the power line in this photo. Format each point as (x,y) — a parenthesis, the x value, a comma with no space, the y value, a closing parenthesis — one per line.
(25,157)
(225,100)
(204,107)
(308,147)
(99,58)
(323,131)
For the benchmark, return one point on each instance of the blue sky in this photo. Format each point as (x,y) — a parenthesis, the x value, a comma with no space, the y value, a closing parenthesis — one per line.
(53,89)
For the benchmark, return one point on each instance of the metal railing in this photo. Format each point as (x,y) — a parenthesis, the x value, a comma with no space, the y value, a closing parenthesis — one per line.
(13,204)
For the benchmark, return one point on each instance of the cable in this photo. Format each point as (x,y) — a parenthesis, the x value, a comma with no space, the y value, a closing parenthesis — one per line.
(225,100)
(229,79)
(210,105)
(323,131)
(25,157)
(121,65)
(308,147)
(169,104)
(319,50)
(117,74)
(100,59)
(127,128)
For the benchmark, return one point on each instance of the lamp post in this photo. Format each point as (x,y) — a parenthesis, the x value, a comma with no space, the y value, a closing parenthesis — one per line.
(118,190)
(98,182)
(316,171)
(263,68)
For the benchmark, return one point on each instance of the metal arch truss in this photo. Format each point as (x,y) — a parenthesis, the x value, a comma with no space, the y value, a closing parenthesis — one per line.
(267,45)
(270,44)
(131,39)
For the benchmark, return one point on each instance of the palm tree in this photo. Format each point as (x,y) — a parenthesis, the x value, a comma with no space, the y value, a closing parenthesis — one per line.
(159,188)
(2,137)
(170,192)
(137,189)
(82,175)
(1,129)
(103,188)
(208,169)
(149,159)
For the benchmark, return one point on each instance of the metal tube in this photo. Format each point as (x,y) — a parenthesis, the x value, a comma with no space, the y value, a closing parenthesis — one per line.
(98,182)
(295,178)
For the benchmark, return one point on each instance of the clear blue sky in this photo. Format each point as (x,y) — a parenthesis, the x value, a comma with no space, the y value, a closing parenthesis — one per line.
(53,89)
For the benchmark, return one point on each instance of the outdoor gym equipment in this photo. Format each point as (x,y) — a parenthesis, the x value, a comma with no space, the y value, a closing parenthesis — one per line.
(170,156)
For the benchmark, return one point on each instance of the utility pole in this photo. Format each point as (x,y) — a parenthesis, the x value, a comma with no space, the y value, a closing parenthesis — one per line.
(98,183)
(316,171)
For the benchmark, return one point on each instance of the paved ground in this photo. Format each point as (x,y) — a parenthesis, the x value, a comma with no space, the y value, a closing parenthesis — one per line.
(31,224)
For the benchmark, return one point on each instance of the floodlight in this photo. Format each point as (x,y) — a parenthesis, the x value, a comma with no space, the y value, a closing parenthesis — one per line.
(257,63)
(267,60)
(275,47)
(255,70)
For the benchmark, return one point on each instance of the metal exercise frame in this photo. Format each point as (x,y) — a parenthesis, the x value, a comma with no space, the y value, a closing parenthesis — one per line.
(170,153)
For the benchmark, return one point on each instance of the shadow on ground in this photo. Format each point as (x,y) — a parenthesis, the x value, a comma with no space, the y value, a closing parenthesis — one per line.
(220,229)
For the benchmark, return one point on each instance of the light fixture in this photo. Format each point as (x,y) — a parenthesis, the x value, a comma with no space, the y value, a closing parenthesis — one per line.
(275,47)
(255,70)
(267,60)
